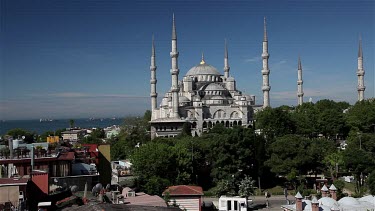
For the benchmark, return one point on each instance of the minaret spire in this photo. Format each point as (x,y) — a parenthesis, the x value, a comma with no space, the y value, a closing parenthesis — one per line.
(226,64)
(174,72)
(174,34)
(300,83)
(265,38)
(360,73)
(265,71)
(153,80)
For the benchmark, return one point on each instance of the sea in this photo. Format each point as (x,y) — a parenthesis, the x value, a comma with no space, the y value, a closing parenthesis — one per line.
(40,127)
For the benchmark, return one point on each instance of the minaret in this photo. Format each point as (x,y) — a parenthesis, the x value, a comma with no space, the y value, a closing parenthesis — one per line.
(360,73)
(174,72)
(300,83)
(226,65)
(153,80)
(265,71)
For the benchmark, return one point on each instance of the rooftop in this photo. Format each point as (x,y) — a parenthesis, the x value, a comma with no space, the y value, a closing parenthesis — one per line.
(184,190)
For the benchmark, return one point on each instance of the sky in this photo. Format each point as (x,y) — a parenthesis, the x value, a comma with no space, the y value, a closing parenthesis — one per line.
(78,59)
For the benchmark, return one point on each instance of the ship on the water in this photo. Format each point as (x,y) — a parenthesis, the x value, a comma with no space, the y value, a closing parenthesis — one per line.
(46,120)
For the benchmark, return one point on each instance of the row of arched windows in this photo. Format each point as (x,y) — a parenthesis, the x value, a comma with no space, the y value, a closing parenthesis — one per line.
(165,128)
(228,124)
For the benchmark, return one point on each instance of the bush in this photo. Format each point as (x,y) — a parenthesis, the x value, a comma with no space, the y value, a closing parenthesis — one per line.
(340,185)
(371,183)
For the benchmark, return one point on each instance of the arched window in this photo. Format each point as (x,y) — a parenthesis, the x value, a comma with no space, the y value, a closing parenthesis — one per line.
(204,124)
(194,125)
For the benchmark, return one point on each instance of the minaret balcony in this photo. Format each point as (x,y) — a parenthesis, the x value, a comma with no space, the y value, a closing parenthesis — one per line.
(173,54)
(174,71)
(300,82)
(266,88)
(361,88)
(360,73)
(153,81)
(152,68)
(265,55)
(265,72)
(153,94)
(300,94)
(175,89)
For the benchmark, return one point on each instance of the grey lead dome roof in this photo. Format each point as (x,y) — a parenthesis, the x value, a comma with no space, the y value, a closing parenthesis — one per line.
(203,69)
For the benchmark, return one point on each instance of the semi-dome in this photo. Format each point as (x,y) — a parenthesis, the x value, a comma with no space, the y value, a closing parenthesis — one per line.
(183,99)
(213,87)
(203,69)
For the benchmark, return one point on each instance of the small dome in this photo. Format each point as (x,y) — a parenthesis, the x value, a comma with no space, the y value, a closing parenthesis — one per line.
(203,69)
(230,78)
(348,201)
(164,102)
(248,97)
(327,201)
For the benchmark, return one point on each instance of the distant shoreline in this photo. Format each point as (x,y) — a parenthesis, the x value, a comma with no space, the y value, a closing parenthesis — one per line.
(39,127)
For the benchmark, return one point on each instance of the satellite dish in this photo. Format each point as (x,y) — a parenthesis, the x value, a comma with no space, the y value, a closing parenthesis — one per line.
(74,188)
(23,137)
(97,188)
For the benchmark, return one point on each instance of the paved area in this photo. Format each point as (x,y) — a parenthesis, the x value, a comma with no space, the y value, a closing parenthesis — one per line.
(274,202)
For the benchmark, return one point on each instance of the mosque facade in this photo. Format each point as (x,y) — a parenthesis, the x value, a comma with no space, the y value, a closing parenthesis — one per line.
(204,97)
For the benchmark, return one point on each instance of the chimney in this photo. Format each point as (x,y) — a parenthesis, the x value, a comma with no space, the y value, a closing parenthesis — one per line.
(333,190)
(314,204)
(10,146)
(298,202)
(324,191)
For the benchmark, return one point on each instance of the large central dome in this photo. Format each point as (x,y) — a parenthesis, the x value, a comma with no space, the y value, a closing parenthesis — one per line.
(203,69)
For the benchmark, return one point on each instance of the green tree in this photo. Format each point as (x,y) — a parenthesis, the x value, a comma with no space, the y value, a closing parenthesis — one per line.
(294,155)
(19,133)
(359,156)
(246,187)
(186,131)
(275,122)
(224,187)
(153,163)
(361,116)
(71,123)
(305,117)
(332,161)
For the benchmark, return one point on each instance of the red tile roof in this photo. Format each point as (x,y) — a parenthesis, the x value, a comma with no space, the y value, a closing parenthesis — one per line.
(146,200)
(184,190)
(92,147)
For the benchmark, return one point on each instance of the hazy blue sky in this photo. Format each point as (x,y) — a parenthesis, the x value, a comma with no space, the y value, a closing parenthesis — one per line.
(63,59)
